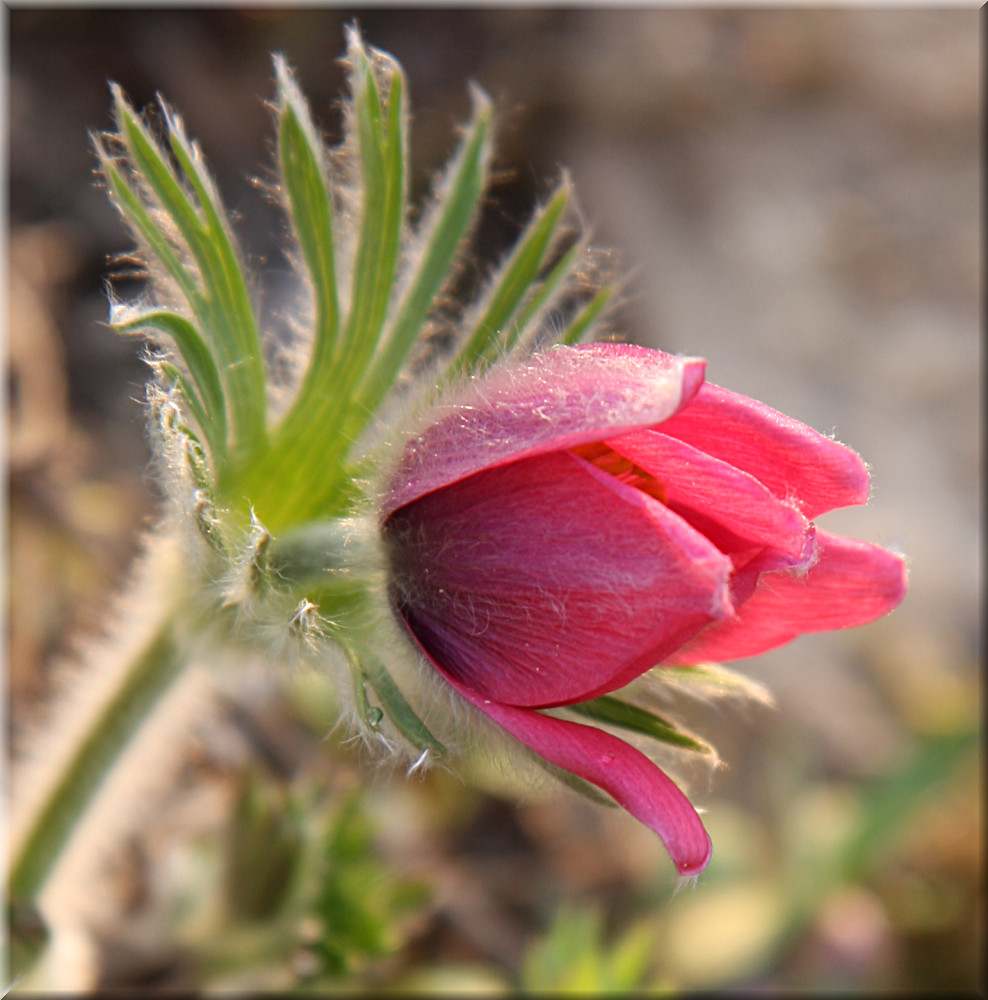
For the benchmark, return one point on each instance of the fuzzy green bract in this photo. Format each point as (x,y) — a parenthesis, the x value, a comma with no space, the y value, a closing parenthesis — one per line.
(282,496)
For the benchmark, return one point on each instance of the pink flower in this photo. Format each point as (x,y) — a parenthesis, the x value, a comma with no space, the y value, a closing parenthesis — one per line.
(568,524)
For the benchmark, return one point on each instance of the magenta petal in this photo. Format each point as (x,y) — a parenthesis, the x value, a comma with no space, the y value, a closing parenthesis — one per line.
(626,774)
(563,398)
(547,581)
(697,485)
(794,461)
(851,583)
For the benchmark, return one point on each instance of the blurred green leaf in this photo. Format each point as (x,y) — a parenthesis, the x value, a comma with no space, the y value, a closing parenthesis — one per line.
(358,902)
(264,848)
(888,805)
(573,957)
(310,901)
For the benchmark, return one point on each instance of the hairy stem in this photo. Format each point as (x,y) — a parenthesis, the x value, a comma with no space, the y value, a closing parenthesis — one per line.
(151,674)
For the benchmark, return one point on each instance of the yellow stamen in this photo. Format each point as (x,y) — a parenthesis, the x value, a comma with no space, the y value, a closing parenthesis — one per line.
(609,461)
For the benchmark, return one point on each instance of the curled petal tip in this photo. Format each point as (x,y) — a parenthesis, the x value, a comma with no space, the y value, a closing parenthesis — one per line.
(614,766)
(697,858)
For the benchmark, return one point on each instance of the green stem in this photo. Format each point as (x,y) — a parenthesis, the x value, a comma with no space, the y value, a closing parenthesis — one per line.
(152,673)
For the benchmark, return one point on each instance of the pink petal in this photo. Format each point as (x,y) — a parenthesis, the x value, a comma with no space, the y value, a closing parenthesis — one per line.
(565,397)
(749,566)
(627,775)
(547,581)
(792,460)
(713,495)
(851,583)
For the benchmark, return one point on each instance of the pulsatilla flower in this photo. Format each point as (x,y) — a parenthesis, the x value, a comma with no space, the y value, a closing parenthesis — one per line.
(563,520)
(569,523)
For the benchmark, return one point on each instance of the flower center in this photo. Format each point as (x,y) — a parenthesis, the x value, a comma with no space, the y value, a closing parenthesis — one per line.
(609,461)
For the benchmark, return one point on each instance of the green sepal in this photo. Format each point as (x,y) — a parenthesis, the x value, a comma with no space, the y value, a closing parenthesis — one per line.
(369,716)
(459,206)
(636,719)
(540,296)
(207,401)
(712,680)
(300,158)
(573,782)
(580,324)
(301,474)
(181,385)
(382,163)
(140,218)
(158,173)
(222,306)
(228,293)
(492,333)
(367,667)
(319,553)
(398,709)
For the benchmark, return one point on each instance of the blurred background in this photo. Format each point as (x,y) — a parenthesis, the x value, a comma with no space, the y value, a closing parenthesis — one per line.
(794,195)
